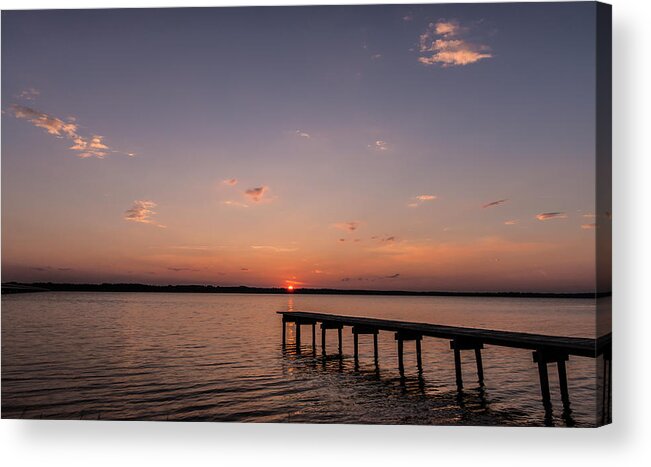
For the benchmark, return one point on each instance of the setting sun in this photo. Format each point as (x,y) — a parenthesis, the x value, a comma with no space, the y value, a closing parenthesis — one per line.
(290,288)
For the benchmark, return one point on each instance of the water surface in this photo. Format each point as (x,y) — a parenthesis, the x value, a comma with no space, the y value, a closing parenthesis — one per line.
(218,357)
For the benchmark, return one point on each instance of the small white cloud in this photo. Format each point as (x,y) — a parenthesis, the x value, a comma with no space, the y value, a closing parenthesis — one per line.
(273,248)
(29,94)
(420,199)
(256,194)
(303,134)
(543,216)
(350,226)
(438,48)
(142,211)
(379,145)
(84,146)
(235,203)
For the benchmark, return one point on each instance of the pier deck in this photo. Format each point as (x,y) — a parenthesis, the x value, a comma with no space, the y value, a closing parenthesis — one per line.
(546,349)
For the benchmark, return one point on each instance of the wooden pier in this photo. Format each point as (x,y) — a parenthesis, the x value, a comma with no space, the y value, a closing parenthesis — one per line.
(546,349)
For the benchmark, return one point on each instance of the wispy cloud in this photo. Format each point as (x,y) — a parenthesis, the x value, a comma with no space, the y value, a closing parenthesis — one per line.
(443,43)
(256,194)
(237,204)
(230,181)
(408,17)
(543,216)
(379,145)
(350,226)
(420,199)
(183,269)
(29,94)
(511,222)
(275,249)
(376,56)
(84,146)
(494,203)
(303,134)
(592,225)
(142,211)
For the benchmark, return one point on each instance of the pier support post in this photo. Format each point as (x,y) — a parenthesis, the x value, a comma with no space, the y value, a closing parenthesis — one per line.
(357,330)
(375,352)
(562,380)
(544,385)
(542,358)
(340,342)
(356,345)
(284,331)
(480,366)
(314,338)
(401,365)
(460,344)
(457,368)
(402,336)
(330,325)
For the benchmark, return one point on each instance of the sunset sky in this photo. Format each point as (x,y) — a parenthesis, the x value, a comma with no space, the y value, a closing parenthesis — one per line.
(442,147)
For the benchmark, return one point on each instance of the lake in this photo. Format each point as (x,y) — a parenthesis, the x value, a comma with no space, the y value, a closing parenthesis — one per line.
(219,357)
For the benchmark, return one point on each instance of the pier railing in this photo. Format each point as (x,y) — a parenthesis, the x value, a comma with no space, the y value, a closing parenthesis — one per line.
(546,349)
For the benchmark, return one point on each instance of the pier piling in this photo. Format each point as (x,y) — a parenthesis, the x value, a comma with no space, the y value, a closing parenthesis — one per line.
(546,349)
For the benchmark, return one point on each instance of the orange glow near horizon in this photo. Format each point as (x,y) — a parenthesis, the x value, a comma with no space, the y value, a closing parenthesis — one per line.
(290,288)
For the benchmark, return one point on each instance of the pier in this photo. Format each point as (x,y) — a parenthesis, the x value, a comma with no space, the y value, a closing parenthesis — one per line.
(545,349)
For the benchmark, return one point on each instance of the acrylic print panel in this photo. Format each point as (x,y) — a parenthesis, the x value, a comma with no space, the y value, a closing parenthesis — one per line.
(388,214)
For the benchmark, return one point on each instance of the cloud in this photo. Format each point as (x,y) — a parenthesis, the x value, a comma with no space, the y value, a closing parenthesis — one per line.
(256,194)
(437,47)
(420,199)
(273,248)
(446,28)
(589,226)
(393,276)
(29,94)
(379,145)
(142,211)
(408,17)
(390,238)
(350,226)
(510,222)
(235,203)
(85,146)
(183,269)
(590,215)
(376,56)
(494,203)
(230,181)
(543,216)
(303,134)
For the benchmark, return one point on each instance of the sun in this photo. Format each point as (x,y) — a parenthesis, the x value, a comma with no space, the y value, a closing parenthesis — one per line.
(290,288)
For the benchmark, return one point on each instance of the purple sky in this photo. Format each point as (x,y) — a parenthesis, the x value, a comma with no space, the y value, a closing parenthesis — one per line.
(441,147)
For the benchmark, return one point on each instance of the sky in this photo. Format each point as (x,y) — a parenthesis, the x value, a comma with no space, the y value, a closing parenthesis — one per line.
(407,147)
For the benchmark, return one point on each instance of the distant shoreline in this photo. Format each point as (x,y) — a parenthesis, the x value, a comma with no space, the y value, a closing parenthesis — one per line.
(17,287)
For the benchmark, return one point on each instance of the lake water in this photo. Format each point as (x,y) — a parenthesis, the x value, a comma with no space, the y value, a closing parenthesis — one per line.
(219,357)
